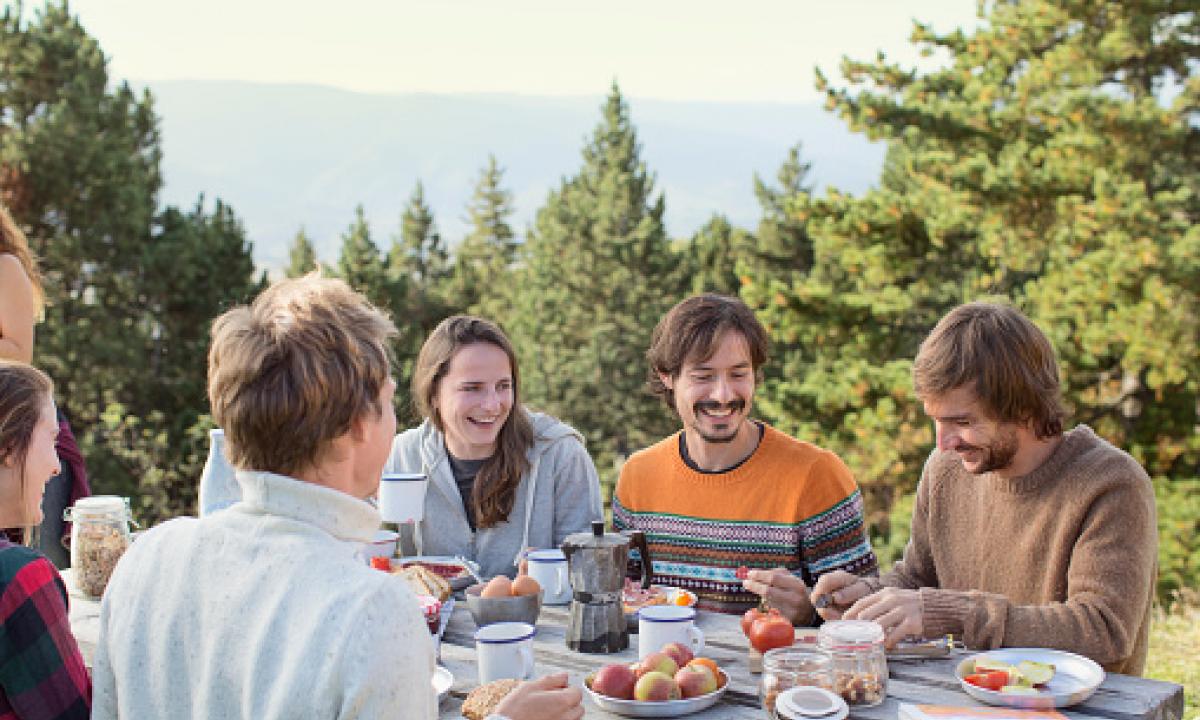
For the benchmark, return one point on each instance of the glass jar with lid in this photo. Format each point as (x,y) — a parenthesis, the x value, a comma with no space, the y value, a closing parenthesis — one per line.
(99,536)
(789,667)
(857,658)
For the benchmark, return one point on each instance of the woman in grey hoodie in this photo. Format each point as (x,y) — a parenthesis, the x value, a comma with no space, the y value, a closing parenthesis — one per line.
(501,478)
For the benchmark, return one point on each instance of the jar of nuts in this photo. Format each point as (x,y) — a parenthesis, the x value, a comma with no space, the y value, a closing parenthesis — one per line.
(789,667)
(99,536)
(857,659)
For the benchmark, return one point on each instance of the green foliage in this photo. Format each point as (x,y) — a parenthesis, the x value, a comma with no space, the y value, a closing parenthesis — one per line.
(714,252)
(130,291)
(1037,164)
(1174,652)
(484,258)
(1178,535)
(596,276)
(302,256)
(418,270)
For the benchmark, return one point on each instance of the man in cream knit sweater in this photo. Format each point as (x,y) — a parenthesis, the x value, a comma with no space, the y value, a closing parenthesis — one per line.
(1022,535)
(266,610)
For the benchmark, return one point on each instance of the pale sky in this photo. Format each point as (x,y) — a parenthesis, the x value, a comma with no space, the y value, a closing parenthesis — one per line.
(722,50)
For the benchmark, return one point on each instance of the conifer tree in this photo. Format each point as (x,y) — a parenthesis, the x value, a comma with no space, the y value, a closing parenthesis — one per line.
(360,263)
(130,292)
(715,251)
(417,268)
(484,258)
(1041,164)
(596,276)
(302,256)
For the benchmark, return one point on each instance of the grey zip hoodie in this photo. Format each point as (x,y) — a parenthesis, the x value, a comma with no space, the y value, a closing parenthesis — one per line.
(559,495)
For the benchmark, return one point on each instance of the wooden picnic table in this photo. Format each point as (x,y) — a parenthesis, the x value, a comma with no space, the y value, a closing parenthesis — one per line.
(928,681)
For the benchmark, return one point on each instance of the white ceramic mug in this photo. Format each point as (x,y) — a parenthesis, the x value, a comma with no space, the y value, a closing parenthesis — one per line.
(549,568)
(402,497)
(505,650)
(660,625)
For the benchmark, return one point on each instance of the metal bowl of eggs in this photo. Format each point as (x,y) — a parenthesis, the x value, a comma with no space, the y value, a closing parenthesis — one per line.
(504,600)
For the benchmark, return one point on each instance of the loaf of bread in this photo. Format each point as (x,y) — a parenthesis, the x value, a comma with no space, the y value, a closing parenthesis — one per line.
(483,700)
(424,581)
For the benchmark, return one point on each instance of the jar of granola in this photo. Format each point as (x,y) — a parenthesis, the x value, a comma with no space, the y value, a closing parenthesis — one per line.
(789,667)
(99,536)
(857,659)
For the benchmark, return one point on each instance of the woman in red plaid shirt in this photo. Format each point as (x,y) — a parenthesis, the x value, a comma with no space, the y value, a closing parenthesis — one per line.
(42,675)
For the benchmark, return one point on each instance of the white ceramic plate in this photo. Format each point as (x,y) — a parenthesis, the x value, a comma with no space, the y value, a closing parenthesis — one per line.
(457,583)
(664,709)
(1075,679)
(442,682)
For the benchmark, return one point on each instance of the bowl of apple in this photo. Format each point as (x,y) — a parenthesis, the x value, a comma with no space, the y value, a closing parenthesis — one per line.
(668,683)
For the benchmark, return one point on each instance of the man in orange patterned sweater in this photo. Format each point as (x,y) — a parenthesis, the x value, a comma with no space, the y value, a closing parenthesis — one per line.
(730,492)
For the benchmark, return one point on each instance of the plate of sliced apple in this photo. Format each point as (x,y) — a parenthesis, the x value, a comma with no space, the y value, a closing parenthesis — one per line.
(1033,678)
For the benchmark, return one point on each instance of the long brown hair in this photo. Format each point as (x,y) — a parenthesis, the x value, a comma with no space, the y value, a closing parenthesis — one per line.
(496,484)
(13,242)
(1002,356)
(23,393)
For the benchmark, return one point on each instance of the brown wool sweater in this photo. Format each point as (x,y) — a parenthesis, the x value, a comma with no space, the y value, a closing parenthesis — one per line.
(1064,557)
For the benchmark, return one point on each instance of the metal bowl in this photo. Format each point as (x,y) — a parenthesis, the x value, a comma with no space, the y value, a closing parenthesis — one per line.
(518,608)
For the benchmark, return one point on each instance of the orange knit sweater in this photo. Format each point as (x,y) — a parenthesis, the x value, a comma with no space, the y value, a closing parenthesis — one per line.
(790,504)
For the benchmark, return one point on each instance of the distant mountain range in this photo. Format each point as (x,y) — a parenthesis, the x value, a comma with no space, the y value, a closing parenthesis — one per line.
(287,156)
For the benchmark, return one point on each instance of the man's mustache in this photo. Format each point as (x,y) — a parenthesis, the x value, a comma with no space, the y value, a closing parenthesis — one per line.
(712,405)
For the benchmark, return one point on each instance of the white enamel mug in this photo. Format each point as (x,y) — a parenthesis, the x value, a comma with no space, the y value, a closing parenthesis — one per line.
(402,497)
(549,568)
(505,650)
(660,625)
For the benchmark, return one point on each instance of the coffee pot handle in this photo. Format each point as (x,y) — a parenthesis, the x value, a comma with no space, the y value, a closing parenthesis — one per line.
(639,541)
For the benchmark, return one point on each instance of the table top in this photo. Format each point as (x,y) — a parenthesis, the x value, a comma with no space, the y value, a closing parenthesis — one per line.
(929,681)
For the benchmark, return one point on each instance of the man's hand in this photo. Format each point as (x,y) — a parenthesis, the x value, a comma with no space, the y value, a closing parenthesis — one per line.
(898,611)
(546,698)
(783,591)
(835,592)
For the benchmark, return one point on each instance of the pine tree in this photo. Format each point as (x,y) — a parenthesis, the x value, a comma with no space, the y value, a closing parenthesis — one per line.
(715,251)
(484,258)
(1039,164)
(302,256)
(360,263)
(130,292)
(596,276)
(417,269)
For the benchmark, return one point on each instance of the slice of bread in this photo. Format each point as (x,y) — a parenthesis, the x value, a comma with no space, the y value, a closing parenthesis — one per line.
(483,700)
(424,581)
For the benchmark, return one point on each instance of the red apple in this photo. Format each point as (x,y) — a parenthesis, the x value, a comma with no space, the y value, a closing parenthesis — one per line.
(694,681)
(680,653)
(615,681)
(658,662)
(655,686)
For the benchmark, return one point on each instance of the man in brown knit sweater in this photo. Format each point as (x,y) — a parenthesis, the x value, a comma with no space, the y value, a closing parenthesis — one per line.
(1022,535)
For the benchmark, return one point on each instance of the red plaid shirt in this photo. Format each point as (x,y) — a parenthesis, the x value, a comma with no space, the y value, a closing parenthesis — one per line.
(42,676)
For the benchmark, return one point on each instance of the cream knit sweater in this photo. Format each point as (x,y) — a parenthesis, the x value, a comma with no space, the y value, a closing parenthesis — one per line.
(262,611)
(1064,557)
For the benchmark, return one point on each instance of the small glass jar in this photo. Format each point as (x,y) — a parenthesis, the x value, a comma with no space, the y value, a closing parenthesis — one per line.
(99,536)
(857,659)
(789,667)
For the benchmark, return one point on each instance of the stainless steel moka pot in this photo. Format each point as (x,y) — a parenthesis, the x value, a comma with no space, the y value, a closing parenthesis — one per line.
(596,567)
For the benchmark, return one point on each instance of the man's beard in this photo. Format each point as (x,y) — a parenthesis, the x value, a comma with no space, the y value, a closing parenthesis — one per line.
(734,419)
(998,454)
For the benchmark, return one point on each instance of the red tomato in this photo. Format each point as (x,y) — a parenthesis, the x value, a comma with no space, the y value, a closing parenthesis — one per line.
(743,572)
(988,680)
(771,632)
(750,617)
(381,563)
